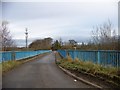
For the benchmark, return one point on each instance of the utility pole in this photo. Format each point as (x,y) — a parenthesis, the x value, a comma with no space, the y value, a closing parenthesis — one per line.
(26,33)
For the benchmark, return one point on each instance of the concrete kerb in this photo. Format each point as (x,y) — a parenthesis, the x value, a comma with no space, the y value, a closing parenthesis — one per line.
(76,77)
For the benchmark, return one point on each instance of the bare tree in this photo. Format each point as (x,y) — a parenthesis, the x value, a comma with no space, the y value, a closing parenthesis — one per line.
(102,33)
(0,37)
(6,36)
(102,36)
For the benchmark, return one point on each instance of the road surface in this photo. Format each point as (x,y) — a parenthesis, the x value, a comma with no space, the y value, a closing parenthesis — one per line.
(40,73)
(0,76)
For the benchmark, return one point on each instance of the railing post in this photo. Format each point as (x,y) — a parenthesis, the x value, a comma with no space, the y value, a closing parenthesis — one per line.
(117,59)
(75,56)
(65,54)
(98,57)
(13,55)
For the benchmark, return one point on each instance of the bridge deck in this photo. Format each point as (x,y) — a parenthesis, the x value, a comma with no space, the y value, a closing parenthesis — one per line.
(40,73)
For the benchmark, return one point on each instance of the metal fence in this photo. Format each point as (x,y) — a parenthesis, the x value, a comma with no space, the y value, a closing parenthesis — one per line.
(103,57)
(17,55)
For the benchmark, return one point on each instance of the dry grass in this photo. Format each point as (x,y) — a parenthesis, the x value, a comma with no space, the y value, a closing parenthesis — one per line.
(6,66)
(110,73)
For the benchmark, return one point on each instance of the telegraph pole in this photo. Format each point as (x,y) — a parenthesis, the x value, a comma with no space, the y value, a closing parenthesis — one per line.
(26,33)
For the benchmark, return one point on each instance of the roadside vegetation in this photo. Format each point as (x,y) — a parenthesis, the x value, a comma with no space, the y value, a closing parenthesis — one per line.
(0,65)
(110,74)
(103,37)
(6,66)
(9,65)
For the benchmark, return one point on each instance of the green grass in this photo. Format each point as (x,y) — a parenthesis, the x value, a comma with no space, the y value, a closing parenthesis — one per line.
(109,73)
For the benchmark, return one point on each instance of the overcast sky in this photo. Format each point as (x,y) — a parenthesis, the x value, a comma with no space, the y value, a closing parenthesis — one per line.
(68,19)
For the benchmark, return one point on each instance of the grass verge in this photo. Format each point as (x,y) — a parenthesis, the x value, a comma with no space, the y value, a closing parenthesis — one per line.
(6,66)
(9,65)
(110,74)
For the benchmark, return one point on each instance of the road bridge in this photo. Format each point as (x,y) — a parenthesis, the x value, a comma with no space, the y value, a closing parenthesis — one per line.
(40,73)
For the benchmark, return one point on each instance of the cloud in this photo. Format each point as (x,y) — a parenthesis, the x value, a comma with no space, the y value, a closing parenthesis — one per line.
(53,19)
(60,0)
(26,10)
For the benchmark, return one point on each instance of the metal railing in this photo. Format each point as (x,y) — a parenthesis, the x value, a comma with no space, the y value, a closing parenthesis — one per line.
(18,55)
(102,57)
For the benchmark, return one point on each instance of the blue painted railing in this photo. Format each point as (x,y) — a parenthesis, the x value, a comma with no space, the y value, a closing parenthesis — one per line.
(63,53)
(18,55)
(103,57)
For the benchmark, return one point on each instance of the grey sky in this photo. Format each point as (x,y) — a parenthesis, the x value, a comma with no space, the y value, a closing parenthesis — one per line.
(119,18)
(68,20)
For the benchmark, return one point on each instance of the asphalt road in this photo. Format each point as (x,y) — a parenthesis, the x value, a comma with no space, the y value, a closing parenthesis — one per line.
(40,73)
(0,76)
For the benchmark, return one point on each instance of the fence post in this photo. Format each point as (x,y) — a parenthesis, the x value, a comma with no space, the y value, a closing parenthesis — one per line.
(75,56)
(13,55)
(3,55)
(98,57)
(67,53)
(118,59)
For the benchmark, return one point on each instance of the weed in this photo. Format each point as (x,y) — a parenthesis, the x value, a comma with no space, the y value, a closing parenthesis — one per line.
(6,66)
(110,73)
